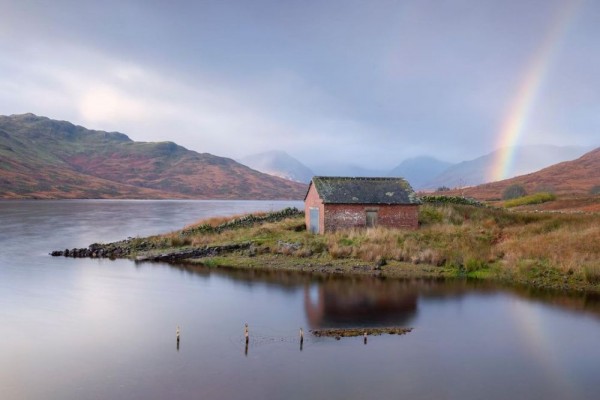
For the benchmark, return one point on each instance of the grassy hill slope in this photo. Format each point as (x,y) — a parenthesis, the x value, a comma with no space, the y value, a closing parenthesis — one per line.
(44,158)
(569,178)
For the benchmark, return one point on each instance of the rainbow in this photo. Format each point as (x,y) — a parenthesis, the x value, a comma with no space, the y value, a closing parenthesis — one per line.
(535,336)
(530,84)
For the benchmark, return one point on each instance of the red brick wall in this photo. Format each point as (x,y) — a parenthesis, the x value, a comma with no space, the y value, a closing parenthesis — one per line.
(343,216)
(313,200)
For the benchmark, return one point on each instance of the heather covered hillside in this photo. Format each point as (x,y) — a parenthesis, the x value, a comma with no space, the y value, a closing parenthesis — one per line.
(44,158)
(567,186)
(526,159)
(577,177)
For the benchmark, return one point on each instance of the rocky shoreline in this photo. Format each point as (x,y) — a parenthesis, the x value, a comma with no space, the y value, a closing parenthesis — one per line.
(94,251)
(116,250)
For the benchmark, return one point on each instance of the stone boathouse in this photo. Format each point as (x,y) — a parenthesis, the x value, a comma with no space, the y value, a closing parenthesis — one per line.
(333,203)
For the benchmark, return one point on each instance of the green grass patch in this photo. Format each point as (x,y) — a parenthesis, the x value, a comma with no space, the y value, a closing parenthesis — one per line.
(346,241)
(537,198)
(440,199)
(430,215)
(481,274)
(212,262)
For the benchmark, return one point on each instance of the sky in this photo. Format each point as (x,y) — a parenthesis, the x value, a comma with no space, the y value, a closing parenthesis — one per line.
(368,83)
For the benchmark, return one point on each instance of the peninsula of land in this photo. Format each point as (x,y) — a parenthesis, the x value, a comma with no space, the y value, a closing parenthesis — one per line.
(454,241)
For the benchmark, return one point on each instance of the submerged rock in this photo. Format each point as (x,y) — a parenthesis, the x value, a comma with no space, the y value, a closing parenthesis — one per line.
(351,332)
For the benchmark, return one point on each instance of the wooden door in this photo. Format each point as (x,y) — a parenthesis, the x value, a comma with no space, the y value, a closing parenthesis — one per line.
(371,219)
(314,220)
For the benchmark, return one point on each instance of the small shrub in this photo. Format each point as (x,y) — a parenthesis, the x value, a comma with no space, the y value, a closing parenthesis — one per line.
(443,189)
(472,265)
(595,190)
(513,192)
(429,215)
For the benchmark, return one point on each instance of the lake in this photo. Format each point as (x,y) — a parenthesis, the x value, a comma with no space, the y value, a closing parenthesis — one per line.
(102,329)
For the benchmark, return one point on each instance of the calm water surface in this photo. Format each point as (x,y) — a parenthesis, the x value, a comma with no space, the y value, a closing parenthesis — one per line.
(100,329)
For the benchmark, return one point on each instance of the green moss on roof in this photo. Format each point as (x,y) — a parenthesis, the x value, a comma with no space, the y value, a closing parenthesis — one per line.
(342,190)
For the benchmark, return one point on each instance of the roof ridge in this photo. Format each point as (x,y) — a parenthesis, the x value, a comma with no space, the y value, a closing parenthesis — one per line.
(360,177)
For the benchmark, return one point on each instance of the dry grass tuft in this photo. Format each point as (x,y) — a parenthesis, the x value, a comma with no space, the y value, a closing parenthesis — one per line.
(465,238)
(591,273)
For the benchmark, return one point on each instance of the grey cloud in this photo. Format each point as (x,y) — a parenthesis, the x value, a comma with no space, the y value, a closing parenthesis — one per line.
(371,82)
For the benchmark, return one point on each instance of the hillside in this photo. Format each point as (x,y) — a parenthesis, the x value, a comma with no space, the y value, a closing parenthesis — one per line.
(526,159)
(44,158)
(279,163)
(575,177)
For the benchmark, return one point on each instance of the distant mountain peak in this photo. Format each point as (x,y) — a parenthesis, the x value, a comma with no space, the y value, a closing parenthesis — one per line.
(419,170)
(279,163)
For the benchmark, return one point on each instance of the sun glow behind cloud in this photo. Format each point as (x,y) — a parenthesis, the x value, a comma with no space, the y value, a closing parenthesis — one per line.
(201,114)
(102,93)
(101,102)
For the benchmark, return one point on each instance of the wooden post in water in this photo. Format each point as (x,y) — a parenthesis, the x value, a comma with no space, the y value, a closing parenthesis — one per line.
(177,331)
(247,337)
(301,338)
(365,338)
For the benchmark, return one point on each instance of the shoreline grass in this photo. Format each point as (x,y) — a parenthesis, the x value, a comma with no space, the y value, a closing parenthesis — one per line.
(454,240)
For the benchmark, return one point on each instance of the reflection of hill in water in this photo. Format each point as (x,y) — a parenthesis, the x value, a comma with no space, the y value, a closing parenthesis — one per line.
(341,301)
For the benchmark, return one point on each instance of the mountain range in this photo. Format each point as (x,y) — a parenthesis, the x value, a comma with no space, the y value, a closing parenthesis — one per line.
(45,158)
(419,171)
(425,172)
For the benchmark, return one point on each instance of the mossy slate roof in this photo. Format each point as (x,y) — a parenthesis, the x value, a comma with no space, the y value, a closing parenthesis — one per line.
(342,190)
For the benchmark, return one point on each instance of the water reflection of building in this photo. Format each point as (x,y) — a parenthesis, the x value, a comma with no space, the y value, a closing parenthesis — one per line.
(337,301)
(364,302)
